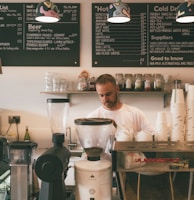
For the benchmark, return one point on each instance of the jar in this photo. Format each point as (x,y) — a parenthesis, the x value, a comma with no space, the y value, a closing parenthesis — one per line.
(157,82)
(92,84)
(128,82)
(147,82)
(82,84)
(177,84)
(138,82)
(120,81)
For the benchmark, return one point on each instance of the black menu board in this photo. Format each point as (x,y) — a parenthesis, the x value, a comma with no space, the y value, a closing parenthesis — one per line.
(152,38)
(26,42)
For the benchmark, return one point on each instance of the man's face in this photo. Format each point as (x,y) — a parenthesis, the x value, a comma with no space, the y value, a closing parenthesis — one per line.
(108,95)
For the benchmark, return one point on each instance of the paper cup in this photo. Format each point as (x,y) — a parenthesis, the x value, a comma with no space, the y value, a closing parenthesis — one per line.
(177,96)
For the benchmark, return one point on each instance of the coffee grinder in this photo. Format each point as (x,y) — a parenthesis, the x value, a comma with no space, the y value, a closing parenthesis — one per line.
(20,161)
(51,167)
(93,176)
(58,110)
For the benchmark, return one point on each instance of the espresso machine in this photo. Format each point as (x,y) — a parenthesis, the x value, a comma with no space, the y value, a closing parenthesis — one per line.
(51,167)
(93,176)
(21,164)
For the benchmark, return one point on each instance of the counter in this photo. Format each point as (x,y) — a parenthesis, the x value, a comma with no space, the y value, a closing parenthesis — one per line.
(160,164)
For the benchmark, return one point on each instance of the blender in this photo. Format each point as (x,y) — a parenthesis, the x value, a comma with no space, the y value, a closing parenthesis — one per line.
(93,176)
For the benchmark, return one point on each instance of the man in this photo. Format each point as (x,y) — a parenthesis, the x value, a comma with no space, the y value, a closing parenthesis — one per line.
(128,119)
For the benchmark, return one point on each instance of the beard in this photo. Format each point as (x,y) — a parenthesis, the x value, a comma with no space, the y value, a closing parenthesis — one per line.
(111,104)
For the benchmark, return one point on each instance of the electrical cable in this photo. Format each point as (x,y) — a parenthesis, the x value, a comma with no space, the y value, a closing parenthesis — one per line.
(8,129)
(17,132)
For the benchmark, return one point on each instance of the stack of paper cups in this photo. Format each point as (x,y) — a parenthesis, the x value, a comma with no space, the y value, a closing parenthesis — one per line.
(178,114)
(161,126)
(190,113)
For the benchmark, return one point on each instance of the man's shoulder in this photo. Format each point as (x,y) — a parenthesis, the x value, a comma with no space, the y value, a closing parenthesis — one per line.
(95,113)
(131,108)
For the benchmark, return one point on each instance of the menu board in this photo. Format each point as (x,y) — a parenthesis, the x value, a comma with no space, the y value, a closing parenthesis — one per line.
(152,38)
(26,42)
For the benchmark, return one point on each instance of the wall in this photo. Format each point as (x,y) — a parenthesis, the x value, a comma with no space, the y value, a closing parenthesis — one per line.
(20,87)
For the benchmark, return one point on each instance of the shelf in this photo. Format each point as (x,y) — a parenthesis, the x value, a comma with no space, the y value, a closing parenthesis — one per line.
(67,93)
(94,92)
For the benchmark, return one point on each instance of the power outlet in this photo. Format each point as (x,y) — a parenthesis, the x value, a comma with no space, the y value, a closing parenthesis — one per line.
(14,119)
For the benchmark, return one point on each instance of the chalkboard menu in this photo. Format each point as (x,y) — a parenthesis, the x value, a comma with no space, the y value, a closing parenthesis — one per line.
(26,42)
(152,38)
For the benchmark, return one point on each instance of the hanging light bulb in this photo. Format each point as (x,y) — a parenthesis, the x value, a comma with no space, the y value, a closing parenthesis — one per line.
(47,12)
(118,12)
(185,12)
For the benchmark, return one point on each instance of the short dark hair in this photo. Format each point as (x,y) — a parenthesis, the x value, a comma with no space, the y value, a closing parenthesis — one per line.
(105,78)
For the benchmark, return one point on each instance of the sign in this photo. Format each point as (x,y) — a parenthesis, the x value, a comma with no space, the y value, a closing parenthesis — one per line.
(26,42)
(152,38)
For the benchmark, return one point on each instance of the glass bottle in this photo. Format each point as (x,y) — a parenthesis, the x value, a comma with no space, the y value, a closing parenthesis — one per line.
(92,84)
(27,135)
(138,82)
(167,85)
(147,82)
(157,82)
(120,81)
(177,84)
(82,83)
(128,82)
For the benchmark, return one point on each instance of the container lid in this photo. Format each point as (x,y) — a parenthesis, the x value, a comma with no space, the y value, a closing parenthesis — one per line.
(57,100)
(93,121)
(177,81)
(22,145)
(3,141)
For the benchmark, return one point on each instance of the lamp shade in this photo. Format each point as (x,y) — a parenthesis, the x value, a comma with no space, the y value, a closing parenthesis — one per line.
(185,12)
(118,12)
(47,12)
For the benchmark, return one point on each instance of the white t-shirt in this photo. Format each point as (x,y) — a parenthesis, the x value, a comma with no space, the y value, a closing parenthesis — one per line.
(128,117)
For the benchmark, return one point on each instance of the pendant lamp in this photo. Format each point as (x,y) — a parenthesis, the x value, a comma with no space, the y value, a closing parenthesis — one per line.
(47,12)
(185,12)
(118,12)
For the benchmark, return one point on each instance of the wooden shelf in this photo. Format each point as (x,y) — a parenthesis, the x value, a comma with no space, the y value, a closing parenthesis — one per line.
(164,94)
(94,92)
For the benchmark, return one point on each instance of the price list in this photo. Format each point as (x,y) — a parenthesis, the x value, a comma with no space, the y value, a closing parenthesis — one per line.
(11,27)
(26,42)
(118,44)
(151,39)
(170,43)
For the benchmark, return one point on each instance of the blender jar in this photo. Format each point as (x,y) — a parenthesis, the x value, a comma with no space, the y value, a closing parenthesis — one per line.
(58,110)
